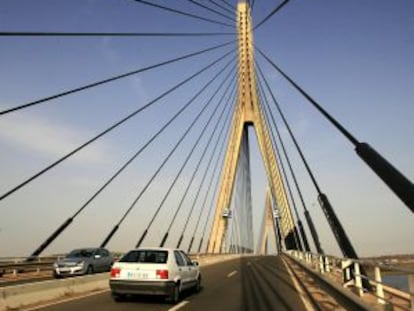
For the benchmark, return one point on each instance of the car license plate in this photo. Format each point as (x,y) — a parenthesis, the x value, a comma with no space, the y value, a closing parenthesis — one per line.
(137,275)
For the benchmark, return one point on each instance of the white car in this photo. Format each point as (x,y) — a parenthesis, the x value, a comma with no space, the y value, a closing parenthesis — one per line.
(154,271)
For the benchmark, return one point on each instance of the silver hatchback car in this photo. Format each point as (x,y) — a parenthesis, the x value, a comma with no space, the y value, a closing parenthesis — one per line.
(83,261)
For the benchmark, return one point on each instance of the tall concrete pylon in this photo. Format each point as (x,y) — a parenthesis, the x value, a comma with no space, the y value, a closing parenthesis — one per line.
(248,112)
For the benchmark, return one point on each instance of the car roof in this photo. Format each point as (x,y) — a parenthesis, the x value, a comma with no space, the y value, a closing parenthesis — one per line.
(86,248)
(154,248)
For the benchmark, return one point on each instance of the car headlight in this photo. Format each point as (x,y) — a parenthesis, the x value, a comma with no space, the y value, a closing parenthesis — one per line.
(80,263)
(55,265)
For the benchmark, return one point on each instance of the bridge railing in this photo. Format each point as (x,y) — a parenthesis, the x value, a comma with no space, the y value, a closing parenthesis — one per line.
(18,265)
(347,272)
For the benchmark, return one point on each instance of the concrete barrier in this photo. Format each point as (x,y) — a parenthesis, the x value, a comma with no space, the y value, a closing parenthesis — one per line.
(19,296)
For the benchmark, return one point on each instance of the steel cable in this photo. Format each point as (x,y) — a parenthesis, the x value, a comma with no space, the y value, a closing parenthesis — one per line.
(223,7)
(212,10)
(168,9)
(311,100)
(110,34)
(228,4)
(275,10)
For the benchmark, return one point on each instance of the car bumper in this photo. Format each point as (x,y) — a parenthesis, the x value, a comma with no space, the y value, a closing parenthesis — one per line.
(69,271)
(141,287)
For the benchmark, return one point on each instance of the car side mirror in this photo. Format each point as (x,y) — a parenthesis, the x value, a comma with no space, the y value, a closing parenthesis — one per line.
(195,263)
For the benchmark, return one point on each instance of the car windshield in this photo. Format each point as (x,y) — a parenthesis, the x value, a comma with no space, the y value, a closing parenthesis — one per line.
(146,256)
(80,253)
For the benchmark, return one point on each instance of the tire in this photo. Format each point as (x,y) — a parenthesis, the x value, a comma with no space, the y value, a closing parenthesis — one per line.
(197,287)
(174,296)
(89,270)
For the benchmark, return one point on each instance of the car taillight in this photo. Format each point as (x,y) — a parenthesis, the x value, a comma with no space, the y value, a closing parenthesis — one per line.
(115,272)
(162,274)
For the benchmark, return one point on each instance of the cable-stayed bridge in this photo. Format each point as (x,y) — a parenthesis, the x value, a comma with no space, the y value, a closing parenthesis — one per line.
(198,115)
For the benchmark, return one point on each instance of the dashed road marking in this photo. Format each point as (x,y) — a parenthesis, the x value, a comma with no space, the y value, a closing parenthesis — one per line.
(179,306)
(231,274)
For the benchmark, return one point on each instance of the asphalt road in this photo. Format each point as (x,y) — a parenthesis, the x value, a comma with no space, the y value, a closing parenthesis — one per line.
(250,283)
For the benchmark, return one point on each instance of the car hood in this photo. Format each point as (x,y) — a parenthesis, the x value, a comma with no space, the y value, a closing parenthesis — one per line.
(72,260)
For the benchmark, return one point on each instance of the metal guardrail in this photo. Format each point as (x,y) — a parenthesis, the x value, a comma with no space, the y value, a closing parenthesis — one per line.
(347,273)
(16,265)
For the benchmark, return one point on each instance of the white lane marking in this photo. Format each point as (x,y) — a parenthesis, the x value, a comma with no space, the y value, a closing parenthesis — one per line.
(179,306)
(48,304)
(231,274)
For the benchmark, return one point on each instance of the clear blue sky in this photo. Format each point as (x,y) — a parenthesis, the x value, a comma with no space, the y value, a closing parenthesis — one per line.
(354,57)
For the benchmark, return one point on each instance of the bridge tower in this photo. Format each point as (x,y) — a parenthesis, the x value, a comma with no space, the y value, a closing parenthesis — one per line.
(248,112)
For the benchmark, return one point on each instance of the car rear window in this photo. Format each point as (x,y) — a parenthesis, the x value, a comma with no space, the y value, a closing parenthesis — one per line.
(146,256)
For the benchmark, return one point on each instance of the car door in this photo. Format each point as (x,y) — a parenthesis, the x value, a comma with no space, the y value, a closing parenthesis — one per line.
(106,260)
(100,260)
(95,260)
(190,269)
(182,269)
